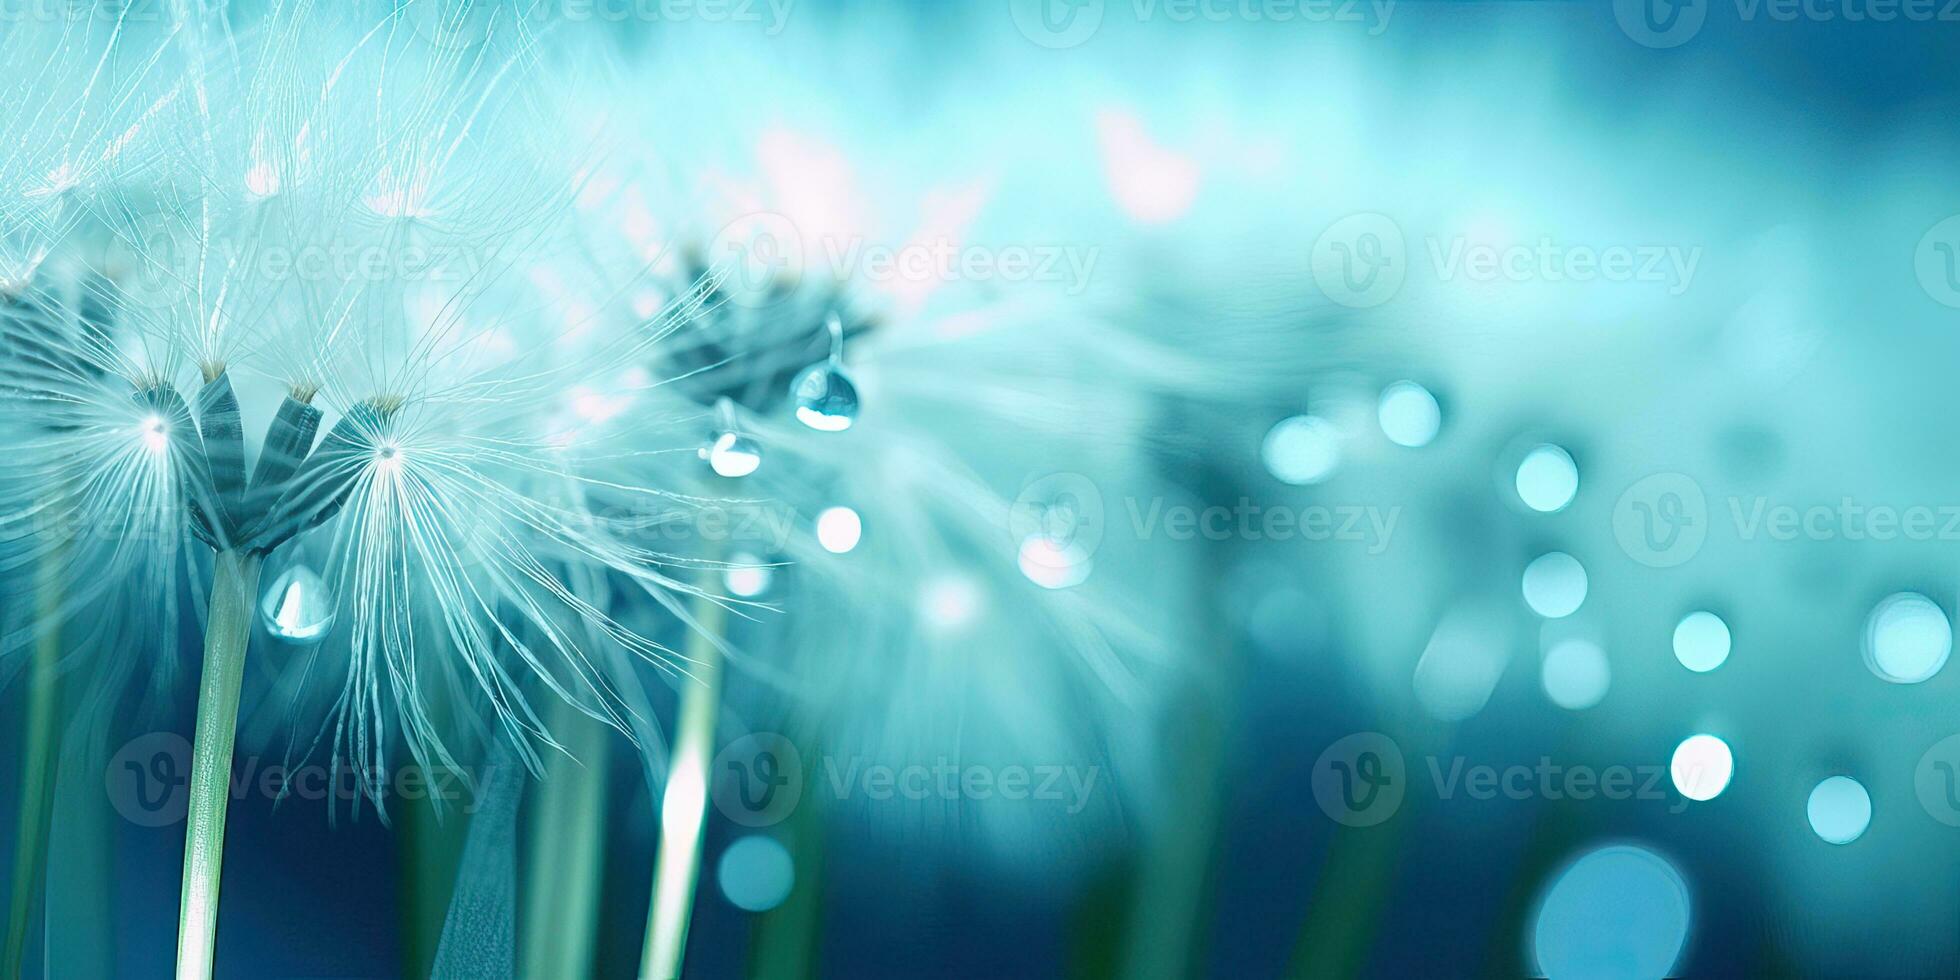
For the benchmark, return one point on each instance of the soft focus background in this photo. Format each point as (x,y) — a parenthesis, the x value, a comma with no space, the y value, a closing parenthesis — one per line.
(1530,550)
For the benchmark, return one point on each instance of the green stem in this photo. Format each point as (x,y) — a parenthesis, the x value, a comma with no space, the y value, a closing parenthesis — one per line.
(233,587)
(786,938)
(683,807)
(567,850)
(37,782)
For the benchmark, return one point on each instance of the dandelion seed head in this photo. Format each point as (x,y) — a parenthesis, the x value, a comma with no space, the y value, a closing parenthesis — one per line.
(410,458)
(155,433)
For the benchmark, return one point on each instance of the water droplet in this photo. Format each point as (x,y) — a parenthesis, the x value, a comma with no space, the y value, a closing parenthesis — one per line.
(826,400)
(734,454)
(297,608)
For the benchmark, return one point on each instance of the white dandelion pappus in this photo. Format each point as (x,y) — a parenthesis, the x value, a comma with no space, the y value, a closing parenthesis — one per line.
(429,388)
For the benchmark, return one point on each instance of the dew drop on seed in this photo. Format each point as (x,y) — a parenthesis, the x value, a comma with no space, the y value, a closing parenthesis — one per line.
(826,399)
(734,454)
(297,608)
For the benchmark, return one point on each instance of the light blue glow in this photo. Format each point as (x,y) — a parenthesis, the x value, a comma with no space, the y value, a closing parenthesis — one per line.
(1839,810)
(1575,674)
(756,873)
(1618,913)
(1907,638)
(297,608)
(1409,414)
(1702,767)
(1701,641)
(1548,479)
(1301,450)
(1554,585)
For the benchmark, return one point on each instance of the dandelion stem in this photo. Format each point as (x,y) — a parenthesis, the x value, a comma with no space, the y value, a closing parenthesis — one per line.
(567,850)
(226,636)
(37,777)
(684,804)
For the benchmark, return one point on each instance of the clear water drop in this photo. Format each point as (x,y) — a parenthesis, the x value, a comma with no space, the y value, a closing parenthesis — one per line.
(826,400)
(734,454)
(297,608)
